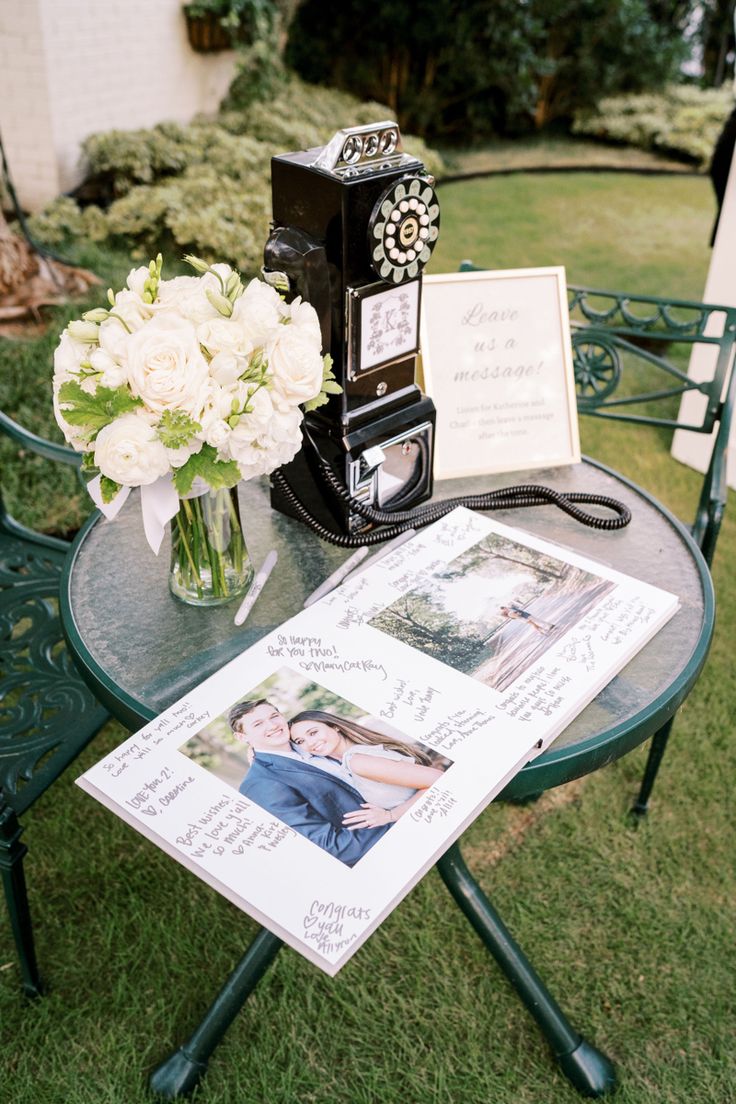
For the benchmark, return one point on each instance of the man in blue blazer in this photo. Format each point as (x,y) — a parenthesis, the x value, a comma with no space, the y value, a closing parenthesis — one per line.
(310,799)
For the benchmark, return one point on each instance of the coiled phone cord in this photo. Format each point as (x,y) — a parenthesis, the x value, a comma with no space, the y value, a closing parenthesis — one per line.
(397,522)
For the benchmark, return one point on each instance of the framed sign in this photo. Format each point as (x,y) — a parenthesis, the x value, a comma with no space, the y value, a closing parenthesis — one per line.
(498,363)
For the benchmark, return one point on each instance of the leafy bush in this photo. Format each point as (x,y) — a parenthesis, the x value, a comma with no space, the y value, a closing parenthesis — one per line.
(683,121)
(205,186)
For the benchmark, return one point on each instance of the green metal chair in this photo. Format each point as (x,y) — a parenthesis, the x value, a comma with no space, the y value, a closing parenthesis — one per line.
(630,356)
(47,714)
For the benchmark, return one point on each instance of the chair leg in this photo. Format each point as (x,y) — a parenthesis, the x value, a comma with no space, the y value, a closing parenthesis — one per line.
(656,752)
(181,1072)
(12,852)
(587,1069)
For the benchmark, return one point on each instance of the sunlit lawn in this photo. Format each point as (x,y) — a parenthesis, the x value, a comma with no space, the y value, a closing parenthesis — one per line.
(632,928)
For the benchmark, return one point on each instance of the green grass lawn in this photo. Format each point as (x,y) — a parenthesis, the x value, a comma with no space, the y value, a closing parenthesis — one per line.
(632,927)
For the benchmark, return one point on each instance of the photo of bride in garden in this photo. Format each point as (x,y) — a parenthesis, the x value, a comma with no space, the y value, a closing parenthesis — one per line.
(493,610)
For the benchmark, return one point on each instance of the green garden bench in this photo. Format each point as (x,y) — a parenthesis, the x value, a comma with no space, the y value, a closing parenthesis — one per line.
(47,714)
(630,358)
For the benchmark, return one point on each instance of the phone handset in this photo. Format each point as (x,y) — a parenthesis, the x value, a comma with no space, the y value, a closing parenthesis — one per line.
(296,263)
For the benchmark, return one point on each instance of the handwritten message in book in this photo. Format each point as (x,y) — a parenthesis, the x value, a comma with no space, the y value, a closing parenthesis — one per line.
(316,777)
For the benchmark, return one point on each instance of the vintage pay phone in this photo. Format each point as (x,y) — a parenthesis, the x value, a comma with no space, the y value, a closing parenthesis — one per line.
(354,224)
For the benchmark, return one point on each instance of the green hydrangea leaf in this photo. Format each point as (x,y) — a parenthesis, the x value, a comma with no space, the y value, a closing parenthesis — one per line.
(92,412)
(176,429)
(216,473)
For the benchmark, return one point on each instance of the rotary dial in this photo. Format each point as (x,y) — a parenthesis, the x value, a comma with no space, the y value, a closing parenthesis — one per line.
(403,229)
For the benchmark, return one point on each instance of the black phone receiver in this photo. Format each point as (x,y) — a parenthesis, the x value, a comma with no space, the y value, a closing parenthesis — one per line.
(292,253)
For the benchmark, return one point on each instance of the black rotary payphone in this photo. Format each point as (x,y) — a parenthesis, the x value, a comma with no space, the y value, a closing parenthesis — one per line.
(354,224)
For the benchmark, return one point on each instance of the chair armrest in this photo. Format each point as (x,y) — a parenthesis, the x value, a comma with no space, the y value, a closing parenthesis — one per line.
(37,444)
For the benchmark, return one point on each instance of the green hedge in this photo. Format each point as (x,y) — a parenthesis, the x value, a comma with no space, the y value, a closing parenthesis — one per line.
(683,121)
(204,187)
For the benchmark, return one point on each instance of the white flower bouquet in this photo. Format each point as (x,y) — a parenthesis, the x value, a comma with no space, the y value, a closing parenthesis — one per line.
(187,384)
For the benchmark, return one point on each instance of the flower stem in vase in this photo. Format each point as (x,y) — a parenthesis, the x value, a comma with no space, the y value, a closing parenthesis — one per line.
(210,564)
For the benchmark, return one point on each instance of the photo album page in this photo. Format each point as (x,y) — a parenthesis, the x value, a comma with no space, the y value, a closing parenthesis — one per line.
(315,778)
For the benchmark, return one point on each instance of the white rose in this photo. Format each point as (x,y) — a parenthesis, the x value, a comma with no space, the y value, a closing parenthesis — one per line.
(304,317)
(186,295)
(224,335)
(258,310)
(128,451)
(166,367)
(296,365)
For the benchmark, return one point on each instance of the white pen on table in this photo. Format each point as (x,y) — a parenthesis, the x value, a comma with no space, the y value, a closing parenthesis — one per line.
(256,587)
(384,551)
(337,576)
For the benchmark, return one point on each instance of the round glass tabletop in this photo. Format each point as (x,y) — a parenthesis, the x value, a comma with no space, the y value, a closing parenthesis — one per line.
(141,649)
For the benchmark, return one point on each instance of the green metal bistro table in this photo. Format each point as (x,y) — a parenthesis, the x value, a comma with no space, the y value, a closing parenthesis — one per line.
(140,650)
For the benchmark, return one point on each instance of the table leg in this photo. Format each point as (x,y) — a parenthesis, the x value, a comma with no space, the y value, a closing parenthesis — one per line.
(181,1072)
(588,1069)
(656,751)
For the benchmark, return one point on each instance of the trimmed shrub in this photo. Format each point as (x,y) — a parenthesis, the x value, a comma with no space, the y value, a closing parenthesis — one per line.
(683,121)
(204,187)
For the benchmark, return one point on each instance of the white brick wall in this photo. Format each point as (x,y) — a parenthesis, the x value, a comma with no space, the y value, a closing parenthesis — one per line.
(69,68)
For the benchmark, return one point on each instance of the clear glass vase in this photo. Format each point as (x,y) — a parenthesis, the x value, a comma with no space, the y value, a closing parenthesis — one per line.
(210,564)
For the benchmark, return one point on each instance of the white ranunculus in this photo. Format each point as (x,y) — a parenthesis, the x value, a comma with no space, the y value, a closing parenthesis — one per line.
(166,367)
(186,296)
(304,318)
(224,335)
(258,310)
(296,365)
(113,373)
(128,451)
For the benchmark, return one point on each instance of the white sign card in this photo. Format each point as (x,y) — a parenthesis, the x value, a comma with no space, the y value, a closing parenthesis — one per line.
(497,361)
(387,324)
(435,675)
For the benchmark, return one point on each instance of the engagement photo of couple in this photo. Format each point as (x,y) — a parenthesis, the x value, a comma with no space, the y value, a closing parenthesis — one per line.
(336,781)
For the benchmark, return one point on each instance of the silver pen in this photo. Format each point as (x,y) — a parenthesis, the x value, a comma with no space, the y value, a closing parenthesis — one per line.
(256,587)
(337,576)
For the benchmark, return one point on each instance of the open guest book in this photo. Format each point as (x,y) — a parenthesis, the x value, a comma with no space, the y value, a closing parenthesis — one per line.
(317,776)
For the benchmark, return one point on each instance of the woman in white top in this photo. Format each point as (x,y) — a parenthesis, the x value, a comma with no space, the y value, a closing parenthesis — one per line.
(389,774)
